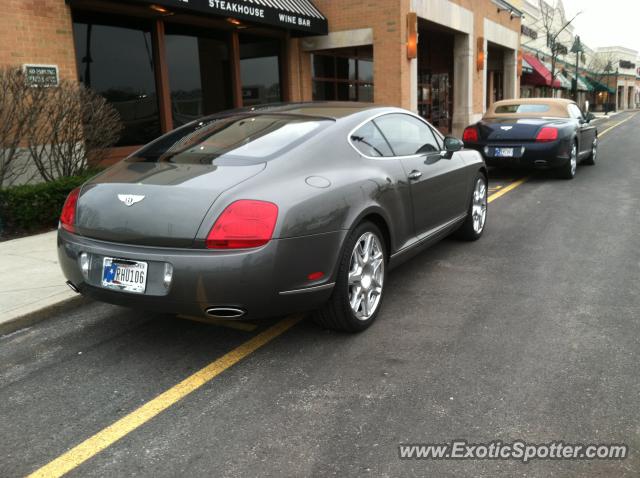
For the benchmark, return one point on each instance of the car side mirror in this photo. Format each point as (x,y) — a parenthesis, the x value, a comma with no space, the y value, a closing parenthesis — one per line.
(451,145)
(588,117)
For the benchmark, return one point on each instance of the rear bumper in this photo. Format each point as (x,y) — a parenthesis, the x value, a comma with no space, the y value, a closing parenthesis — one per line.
(528,155)
(264,282)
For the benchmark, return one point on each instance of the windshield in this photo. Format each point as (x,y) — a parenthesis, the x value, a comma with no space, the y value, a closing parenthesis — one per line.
(233,140)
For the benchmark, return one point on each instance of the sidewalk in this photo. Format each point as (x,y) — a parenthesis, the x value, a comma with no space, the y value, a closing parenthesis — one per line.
(31,281)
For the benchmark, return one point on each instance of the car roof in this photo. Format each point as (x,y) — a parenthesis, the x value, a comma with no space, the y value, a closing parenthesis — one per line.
(323,109)
(557,108)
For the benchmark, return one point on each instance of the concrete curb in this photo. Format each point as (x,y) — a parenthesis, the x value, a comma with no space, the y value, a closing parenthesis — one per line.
(40,315)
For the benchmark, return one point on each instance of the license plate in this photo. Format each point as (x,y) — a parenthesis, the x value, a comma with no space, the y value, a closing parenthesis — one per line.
(503,152)
(125,275)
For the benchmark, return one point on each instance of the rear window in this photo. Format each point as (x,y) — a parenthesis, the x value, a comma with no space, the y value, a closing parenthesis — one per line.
(522,108)
(233,140)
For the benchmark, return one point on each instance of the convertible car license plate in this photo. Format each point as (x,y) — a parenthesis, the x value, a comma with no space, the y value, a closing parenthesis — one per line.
(125,275)
(503,152)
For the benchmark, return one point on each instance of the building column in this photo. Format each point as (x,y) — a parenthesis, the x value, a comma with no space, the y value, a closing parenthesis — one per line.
(413,84)
(462,83)
(510,74)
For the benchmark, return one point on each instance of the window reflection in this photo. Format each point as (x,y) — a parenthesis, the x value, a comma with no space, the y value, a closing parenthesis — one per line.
(259,70)
(114,58)
(199,72)
(234,140)
(344,74)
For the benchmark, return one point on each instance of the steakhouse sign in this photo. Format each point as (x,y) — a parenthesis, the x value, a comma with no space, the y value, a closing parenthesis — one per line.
(299,16)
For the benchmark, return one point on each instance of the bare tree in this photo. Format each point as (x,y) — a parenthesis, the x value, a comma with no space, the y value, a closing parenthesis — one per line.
(75,125)
(20,107)
(553,24)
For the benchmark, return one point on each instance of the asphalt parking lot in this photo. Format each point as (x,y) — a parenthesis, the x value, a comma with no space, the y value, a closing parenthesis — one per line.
(530,334)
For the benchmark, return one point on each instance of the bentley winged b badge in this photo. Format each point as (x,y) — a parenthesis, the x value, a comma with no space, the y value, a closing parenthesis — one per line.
(130,199)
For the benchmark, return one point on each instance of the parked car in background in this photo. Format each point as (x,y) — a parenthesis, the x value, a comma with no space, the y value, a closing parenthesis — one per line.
(256,213)
(541,133)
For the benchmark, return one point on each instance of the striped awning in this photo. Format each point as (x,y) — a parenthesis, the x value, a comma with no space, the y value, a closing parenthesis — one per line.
(564,83)
(583,85)
(526,67)
(541,76)
(301,17)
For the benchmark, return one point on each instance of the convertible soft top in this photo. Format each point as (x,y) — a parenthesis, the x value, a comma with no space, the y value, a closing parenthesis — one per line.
(529,108)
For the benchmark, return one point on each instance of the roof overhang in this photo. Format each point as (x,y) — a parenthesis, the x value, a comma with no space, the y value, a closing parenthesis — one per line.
(301,17)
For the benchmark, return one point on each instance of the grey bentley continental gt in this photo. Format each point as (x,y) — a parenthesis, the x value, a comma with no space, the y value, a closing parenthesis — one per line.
(261,212)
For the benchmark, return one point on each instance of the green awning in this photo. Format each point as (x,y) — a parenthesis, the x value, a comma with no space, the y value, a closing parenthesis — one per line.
(582,85)
(597,86)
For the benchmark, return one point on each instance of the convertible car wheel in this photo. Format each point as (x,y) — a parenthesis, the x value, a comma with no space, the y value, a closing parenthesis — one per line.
(568,171)
(591,159)
(357,295)
(473,226)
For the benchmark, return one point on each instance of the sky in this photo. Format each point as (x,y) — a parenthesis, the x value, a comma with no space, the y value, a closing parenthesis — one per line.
(606,22)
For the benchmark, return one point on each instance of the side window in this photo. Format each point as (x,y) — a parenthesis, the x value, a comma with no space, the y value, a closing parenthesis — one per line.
(575,112)
(407,135)
(369,141)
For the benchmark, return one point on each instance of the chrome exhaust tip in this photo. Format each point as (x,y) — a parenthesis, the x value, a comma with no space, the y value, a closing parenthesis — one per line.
(73,287)
(226,313)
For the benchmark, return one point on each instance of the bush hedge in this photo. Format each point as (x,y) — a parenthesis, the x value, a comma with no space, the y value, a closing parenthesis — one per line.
(36,206)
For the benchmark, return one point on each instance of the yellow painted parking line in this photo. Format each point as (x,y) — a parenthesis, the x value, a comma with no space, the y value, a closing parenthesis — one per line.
(111,434)
(615,125)
(231,324)
(506,189)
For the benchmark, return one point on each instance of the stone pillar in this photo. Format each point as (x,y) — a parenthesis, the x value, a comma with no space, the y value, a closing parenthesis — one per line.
(510,75)
(462,82)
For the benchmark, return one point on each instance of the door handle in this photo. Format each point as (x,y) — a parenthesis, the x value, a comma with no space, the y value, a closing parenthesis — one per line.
(413,175)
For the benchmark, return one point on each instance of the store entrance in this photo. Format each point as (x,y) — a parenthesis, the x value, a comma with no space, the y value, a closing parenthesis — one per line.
(435,75)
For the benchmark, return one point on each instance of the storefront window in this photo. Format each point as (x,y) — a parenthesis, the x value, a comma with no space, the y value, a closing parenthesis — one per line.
(114,57)
(344,75)
(199,72)
(260,70)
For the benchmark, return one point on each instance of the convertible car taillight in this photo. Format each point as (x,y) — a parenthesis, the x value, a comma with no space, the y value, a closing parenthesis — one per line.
(547,134)
(243,224)
(470,134)
(68,214)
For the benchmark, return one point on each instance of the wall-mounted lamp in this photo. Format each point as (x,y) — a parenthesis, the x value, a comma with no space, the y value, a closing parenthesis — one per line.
(161,10)
(480,54)
(412,35)
(236,22)
(519,67)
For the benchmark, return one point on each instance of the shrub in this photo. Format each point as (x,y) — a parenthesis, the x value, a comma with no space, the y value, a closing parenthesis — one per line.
(75,123)
(51,132)
(36,206)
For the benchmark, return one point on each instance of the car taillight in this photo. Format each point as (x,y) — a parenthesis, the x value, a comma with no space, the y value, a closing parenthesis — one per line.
(547,134)
(243,224)
(470,134)
(68,214)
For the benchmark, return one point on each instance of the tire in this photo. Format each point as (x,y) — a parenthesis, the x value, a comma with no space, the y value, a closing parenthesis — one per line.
(568,171)
(591,159)
(338,313)
(476,220)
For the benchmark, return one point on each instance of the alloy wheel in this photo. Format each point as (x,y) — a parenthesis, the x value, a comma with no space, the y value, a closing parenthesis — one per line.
(479,206)
(574,159)
(366,276)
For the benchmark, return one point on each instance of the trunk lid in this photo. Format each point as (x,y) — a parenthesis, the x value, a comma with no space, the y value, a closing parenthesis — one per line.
(169,201)
(511,129)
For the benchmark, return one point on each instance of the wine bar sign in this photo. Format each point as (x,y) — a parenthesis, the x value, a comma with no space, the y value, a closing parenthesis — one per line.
(41,75)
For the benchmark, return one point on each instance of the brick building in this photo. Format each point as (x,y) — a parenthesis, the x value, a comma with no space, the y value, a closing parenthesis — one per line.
(163,63)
